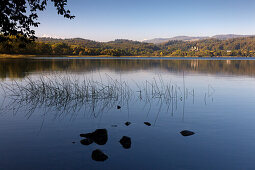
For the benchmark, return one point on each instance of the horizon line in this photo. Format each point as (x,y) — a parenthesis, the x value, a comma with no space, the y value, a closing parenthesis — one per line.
(63,38)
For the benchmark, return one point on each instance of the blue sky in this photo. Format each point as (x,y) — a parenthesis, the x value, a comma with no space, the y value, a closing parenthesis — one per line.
(105,20)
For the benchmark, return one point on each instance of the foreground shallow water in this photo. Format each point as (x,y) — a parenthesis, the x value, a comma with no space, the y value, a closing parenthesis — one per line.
(139,126)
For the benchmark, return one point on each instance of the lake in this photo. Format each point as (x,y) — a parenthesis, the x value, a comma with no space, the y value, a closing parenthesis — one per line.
(98,113)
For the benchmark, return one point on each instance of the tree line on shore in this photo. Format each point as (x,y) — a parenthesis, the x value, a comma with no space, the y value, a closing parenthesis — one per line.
(49,46)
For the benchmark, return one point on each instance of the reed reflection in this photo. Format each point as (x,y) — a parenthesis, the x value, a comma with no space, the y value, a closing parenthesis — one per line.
(66,95)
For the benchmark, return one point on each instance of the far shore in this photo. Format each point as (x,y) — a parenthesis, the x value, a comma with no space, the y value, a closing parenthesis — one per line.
(21,56)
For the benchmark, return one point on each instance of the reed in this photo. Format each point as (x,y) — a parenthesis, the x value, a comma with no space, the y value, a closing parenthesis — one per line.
(70,94)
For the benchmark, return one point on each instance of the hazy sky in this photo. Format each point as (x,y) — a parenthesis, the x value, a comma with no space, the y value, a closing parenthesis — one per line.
(105,20)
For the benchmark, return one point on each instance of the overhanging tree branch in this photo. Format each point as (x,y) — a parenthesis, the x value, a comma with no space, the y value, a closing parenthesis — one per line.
(18,16)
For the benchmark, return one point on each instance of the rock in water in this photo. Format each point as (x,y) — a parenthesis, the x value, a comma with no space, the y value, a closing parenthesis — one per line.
(87,135)
(100,136)
(147,123)
(187,133)
(127,123)
(118,107)
(98,155)
(125,142)
(86,141)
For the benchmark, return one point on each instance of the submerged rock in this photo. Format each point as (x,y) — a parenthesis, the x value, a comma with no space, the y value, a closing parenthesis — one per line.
(114,125)
(125,142)
(98,155)
(147,123)
(127,123)
(100,136)
(187,133)
(86,141)
(118,107)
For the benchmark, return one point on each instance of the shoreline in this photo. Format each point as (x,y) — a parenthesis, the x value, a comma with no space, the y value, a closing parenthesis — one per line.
(21,56)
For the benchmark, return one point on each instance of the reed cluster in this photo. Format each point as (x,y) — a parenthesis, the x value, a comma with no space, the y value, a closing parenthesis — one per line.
(70,94)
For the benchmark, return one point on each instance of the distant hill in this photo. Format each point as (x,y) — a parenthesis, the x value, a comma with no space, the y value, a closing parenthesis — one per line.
(179,38)
(123,41)
(70,41)
(187,38)
(85,42)
(230,36)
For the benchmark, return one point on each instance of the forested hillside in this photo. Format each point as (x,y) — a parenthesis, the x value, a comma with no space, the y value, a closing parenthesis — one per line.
(78,46)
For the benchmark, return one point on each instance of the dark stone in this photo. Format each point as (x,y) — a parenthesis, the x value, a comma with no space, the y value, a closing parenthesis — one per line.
(73,142)
(98,155)
(118,107)
(87,135)
(127,123)
(125,142)
(114,125)
(100,136)
(86,141)
(187,133)
(147,123)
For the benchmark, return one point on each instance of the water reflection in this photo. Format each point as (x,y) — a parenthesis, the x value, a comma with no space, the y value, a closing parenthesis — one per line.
(65,95)
(163,115)
(100,137)
(20,68)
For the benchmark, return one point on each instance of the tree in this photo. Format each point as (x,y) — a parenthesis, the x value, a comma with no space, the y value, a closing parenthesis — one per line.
(18,16)
(61,49)
(43,48)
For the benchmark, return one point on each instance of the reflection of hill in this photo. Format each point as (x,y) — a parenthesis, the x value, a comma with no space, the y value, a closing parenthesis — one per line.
(19,68)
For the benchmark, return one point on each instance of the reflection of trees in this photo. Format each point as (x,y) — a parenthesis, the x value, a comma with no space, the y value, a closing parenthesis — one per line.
(19,68)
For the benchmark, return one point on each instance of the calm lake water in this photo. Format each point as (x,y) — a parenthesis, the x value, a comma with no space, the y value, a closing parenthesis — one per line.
(133,110)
